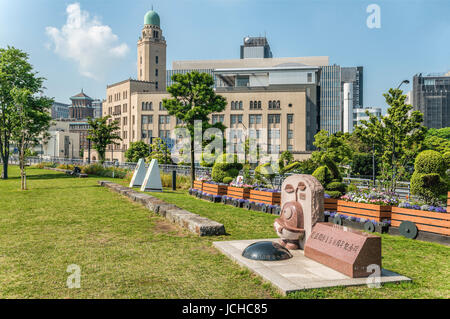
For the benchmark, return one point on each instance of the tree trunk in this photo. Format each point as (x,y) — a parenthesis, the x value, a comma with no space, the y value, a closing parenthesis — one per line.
(4,153)
(192,163)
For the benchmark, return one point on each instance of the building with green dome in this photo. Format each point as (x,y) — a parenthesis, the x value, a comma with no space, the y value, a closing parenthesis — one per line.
(152,18)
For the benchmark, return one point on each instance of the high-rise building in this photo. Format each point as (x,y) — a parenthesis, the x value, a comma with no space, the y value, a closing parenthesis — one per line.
(60,110)
(431,96)
(332,81)
(255,48)
(359,114)
(97,106)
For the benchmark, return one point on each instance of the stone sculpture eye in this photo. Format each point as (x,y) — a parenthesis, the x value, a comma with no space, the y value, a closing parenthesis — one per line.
(288,213)
(289,188)
(301,186)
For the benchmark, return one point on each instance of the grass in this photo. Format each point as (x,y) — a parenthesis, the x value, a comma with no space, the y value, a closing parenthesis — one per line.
(125,251)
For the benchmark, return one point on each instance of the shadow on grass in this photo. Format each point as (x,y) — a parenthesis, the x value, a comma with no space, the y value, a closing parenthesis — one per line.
(42,176)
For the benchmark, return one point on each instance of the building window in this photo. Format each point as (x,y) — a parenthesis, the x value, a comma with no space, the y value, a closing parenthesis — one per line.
(156,72)
(236,118)
(290,118)
(216,118)
(309,77)
(255,118)
(156,59)
(274,118)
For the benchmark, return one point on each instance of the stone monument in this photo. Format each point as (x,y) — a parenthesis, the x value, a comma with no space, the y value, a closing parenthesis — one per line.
(351,252)
(152,180)
(139,174)
(301,208)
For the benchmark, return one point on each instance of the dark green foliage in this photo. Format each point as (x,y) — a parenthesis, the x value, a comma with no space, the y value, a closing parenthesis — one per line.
(228,180)
(136,151)
(428,187)
(362,164)
(102,133)
(290,167)
(430,162)
(308,166)
(447,159)
(265,174)
(352,188)
(334,194)
(337,186)
(428,181)
(226,169)
(323,175)
(332,167)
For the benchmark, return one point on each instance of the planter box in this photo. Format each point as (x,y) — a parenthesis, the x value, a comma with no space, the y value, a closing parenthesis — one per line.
(432,222)
(330,204)
(238,192)
(214,189)
(265,197)
(198,185)
(448,202)
(367,211)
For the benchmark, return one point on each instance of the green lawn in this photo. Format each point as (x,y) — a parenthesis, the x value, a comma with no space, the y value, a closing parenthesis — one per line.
(125,251)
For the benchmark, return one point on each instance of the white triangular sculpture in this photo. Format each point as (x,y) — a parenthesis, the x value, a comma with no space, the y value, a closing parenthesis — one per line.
(139,174)
(152,180)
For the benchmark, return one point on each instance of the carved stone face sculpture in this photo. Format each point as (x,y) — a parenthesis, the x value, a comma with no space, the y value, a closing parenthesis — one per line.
(301,208)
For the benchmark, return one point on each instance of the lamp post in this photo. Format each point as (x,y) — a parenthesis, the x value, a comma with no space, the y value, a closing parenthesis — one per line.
(393,145)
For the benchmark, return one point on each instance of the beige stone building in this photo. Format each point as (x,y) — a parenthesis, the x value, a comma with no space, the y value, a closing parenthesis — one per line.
(262,93)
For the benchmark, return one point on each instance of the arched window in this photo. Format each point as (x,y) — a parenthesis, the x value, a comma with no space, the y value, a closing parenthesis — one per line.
(151,106)
(240,105)
(270,104)
(143,105)
(232,105)
(259,104)
(251,105)
(278,104)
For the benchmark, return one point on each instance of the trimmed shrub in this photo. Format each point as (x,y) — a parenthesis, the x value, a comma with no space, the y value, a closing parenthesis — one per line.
(430,161)
(227,180)
(332,167)
(446,157)
(428,187)
(334,194)
(337,186)
(322,173)
(352,188)
(226,169)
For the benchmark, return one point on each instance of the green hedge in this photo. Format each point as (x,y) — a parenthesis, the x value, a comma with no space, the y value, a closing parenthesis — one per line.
(430,162)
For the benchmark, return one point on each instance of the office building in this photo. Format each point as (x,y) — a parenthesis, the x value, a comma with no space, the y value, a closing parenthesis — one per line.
(256,48)
(262,93)
(431,96)
(60,110)
(97,106)
(359,114)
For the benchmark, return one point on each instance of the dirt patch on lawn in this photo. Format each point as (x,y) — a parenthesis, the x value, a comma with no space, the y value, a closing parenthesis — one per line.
(163,227)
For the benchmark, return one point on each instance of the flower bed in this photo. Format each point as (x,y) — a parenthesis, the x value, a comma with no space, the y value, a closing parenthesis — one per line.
(431,220)
(361,210)
(238,192)
(265,196)
(214,189)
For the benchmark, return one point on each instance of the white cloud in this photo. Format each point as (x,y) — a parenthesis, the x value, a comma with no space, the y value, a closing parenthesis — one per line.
(85,40)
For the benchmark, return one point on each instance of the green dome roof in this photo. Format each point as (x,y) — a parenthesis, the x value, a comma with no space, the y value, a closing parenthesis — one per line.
(151,17)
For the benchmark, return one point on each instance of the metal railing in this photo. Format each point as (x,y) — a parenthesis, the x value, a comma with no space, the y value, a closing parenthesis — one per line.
(403,188)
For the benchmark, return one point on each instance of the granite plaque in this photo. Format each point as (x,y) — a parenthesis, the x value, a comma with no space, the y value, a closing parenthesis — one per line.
(346,250)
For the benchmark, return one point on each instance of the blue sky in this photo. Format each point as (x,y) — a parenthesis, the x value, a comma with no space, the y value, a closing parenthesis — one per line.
(414,37)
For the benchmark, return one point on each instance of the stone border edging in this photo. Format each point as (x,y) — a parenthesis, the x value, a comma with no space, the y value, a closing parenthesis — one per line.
(201,226)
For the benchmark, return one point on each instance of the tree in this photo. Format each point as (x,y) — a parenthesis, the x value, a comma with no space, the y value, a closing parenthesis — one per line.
(396,138)
(193,99)
(136,151)
(335,146)
(34,121)
(441,132)
(159,151)
(15,72)
(103,132)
